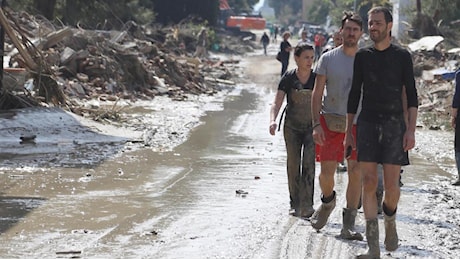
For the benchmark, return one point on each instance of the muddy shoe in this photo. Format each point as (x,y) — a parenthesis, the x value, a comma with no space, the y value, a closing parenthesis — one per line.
(391,235)
(321,215)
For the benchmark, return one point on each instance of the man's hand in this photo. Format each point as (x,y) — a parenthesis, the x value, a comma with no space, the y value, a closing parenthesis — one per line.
(273,126)
(408,141)
(349,141)
(318,134)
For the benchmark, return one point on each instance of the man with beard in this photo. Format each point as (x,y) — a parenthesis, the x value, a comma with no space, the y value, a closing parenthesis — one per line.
(334,75)
(380,74)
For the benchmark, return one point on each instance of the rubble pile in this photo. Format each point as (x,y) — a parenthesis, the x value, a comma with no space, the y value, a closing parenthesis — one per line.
(138,62)
(434,69)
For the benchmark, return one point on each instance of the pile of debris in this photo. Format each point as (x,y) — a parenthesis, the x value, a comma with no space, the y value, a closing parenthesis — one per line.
(434,68)
(138,62)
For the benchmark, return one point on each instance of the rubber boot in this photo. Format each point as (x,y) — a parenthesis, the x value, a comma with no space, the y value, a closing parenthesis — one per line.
(319,218)
(391,235)
(372,236)
(379,195)
(457,161)
(349,216)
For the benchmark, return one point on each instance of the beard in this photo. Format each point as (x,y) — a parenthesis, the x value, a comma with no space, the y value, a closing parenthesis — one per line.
(378,36)
(350,42)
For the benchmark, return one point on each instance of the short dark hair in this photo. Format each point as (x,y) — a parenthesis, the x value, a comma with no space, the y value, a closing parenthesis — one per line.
(303,46)
(381,9)
(354,17)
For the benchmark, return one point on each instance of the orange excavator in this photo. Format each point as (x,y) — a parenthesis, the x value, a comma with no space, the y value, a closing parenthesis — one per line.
(241,22)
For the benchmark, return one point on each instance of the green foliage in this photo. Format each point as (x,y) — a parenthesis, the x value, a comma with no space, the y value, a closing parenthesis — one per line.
(242,6)
(288,12)
(91,14)
(445,11)
(174,11)
(319,11)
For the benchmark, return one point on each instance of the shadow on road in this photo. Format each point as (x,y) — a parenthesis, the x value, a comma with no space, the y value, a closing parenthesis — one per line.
(13,209)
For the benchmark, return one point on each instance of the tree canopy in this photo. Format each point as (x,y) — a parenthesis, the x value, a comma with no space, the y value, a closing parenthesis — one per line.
(115,13)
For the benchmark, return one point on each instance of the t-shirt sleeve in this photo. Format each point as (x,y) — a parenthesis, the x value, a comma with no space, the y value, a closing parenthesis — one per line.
(320,68)
(284,83)
(355,91)
(456,99)
(409,81)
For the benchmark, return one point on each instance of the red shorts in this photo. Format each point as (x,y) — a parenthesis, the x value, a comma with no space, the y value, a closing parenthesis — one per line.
(332,149)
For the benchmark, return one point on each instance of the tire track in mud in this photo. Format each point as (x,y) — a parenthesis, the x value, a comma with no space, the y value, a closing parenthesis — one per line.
(303,241)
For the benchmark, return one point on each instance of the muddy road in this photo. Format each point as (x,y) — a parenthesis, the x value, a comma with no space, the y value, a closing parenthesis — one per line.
(218,190)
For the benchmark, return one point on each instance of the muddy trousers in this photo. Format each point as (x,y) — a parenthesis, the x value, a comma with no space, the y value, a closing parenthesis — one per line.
(300,166)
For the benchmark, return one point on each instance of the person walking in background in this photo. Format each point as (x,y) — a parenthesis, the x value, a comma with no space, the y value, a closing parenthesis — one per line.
(303,37)
(202,42)
(265,40)
(337,41)
(380,74)
(276,32)
(297,85)
(334,74)
(319,42)
(285,49)
(455,122)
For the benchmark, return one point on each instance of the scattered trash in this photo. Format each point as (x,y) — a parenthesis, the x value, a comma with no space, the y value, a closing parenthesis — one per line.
(27,139)
(71,252)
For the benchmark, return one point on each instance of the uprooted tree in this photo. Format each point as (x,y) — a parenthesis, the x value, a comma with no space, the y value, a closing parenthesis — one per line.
(33,61)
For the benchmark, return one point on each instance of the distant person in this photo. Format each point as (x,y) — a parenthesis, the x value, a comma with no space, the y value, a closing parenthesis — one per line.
(329,108)
(319,42)
(285,48)
(337,41)
(265,40)
(302,30)
(297,85)
(381,74)
(276,32)
(202,42)
(303,37)
(456,122)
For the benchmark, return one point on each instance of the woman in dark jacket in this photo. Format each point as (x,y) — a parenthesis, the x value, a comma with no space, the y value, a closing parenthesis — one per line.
(285,49)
